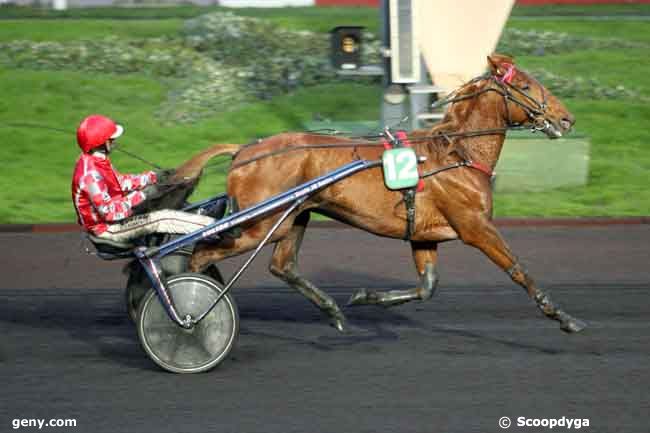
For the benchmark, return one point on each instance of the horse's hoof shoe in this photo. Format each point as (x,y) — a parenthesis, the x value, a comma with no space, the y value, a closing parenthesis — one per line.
(339,323)
(572,325)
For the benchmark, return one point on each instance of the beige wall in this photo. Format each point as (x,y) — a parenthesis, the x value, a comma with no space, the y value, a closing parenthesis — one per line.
(456,36)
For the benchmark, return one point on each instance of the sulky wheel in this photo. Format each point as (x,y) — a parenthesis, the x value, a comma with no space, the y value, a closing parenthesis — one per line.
(192,350)
(137,287)
(138,283)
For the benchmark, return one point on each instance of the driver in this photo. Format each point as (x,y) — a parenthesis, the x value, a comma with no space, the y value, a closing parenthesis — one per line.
(107,202)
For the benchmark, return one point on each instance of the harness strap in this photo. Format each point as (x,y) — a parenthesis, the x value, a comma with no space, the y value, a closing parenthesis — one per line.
(409,202)
(301,147)
(356,144)
(400,139)
(465,163)
(481,167)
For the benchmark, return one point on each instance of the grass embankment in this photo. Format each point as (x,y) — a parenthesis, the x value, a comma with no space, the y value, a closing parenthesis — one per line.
(35,179)
(37,163)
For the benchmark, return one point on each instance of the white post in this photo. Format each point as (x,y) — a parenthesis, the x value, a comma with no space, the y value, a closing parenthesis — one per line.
(60,5)
(465,33)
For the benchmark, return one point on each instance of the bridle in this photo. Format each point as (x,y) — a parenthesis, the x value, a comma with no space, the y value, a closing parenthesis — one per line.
(534,109)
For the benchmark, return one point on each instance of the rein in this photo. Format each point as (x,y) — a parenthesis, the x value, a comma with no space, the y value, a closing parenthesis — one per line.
(504,87)
(465,163)
(303,147)
(533,109)
(65,131)
(419,139)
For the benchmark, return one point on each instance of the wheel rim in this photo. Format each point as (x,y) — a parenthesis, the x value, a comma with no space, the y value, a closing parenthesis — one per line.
(200,348)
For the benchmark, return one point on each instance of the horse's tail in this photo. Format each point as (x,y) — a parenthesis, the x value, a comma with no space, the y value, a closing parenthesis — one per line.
(192,168)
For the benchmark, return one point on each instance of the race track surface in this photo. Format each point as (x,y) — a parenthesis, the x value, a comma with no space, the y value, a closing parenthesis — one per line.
(478,351)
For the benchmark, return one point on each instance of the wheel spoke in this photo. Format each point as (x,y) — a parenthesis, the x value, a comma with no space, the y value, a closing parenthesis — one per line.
(200,348)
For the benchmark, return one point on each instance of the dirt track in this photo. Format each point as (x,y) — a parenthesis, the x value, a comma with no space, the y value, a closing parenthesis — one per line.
(476,352)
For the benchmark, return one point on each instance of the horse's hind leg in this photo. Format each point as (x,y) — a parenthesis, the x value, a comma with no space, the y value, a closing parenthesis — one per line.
(206,254)
(284,265)
(483,235)
(425,255)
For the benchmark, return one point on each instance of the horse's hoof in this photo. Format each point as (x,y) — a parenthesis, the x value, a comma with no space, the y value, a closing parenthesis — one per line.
(572,325)
(339,323)
(359,298)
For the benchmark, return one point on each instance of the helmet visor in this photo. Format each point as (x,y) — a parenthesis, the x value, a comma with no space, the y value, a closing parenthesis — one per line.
(119,130)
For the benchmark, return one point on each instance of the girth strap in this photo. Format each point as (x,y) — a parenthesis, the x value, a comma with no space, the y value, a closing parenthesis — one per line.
(400,139)
(409,202)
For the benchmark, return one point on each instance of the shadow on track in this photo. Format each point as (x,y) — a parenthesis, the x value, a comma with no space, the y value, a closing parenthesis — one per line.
(96,318)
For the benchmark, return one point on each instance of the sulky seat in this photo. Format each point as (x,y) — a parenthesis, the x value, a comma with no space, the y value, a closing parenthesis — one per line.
(111,250)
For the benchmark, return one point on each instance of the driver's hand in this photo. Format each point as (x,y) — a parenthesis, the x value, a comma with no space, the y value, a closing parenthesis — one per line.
(153,191)
(163,175)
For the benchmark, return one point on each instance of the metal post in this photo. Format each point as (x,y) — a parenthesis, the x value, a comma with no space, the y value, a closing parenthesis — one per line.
(419,101)
(393,103)
(60,5)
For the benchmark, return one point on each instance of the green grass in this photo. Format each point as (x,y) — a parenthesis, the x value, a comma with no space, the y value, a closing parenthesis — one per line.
(613,68)
(630,30)
(620,141)
(66,30)
(579,10)
(122,13)
(362,13)
(619,167)
(297,18)
(37,163)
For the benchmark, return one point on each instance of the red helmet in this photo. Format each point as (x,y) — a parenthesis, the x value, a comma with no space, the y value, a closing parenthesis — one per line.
(96,130)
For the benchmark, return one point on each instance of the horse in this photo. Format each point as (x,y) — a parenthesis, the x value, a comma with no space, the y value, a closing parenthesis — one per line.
(454,203)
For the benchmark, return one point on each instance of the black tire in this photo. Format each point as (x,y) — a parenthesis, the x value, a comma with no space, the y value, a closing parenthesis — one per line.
(137,287)
(138,283)
(189,351)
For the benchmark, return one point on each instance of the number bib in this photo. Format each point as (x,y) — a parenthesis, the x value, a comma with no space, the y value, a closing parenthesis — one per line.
(400,168)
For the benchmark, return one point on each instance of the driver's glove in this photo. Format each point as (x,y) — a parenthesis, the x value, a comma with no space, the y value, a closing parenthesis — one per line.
(164,174)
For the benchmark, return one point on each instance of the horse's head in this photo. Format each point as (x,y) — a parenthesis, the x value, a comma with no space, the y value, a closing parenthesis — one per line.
(528,102)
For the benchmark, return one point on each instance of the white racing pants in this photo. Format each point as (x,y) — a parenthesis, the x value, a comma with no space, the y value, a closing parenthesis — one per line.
(162,221)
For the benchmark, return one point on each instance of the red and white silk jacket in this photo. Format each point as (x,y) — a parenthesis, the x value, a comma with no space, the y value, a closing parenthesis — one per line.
(103,196)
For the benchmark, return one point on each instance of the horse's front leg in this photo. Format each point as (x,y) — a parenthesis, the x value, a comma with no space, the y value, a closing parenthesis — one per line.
(482,234)
(425,255)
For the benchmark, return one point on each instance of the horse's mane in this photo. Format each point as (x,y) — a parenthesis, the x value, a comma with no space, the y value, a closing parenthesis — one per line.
(435,140)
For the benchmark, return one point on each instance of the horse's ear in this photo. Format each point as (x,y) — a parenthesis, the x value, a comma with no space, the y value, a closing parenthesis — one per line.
(495,62)
(492,64)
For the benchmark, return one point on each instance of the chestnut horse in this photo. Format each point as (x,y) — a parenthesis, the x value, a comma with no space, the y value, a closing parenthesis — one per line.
(454,204)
